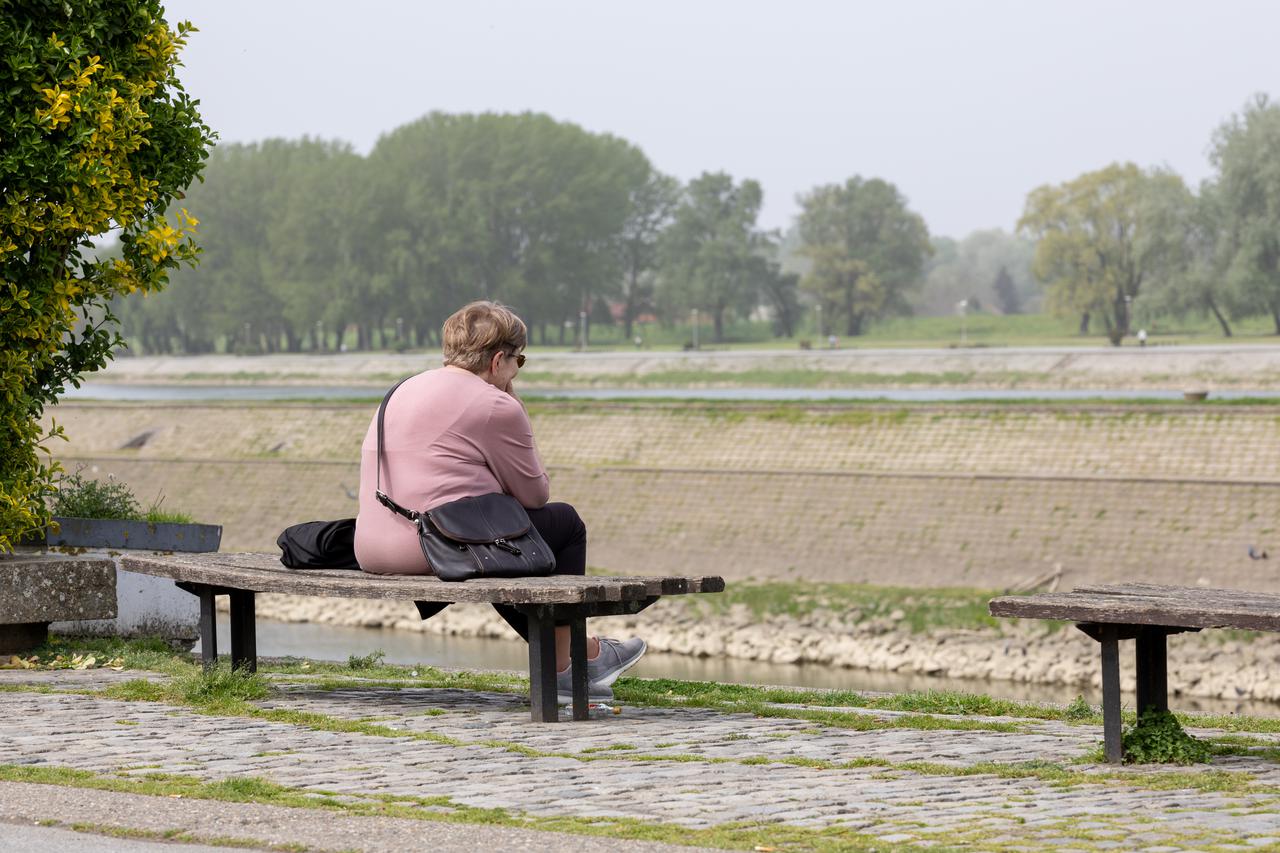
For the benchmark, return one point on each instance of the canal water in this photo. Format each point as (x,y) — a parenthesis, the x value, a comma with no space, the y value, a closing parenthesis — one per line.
(337,643)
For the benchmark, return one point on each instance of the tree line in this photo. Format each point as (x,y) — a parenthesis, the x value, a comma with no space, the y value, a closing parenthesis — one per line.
(307,244)
(1123,239)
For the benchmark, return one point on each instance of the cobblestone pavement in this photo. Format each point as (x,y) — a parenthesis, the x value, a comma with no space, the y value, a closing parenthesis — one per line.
(687,767)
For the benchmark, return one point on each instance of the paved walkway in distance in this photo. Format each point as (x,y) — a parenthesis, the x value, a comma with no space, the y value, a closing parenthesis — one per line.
(683,767)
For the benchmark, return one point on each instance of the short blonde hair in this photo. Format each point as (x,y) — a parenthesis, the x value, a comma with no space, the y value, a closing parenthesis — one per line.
(475,332)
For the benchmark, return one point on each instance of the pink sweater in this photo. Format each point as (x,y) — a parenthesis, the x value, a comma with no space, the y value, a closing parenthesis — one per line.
(448,435)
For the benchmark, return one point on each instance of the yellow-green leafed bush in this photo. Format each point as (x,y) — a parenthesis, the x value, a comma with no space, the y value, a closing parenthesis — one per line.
(96,134)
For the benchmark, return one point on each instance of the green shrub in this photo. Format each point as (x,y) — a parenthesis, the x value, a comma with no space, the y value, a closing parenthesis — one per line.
(98,135)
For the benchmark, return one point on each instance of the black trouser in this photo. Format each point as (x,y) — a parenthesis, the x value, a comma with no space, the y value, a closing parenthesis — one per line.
(565,535)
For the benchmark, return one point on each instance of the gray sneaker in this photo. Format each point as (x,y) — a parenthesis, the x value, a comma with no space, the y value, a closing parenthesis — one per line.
(615,658)
(596,693)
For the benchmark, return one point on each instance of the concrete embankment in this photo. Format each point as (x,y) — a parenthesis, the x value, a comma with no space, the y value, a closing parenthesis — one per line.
(980,496)
(988,497)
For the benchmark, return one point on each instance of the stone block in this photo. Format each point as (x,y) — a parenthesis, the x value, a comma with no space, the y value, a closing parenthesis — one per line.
(51,587)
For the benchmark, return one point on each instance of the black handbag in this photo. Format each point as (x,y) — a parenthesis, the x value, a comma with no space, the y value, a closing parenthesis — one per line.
(485,536)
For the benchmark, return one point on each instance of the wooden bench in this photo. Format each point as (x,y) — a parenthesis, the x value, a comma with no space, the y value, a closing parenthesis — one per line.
(1146,613)
(545,601)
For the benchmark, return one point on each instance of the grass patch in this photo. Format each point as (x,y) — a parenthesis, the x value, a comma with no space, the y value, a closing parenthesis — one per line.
(369,661)
(176,835)
(62,653)
(216,691)
(920,610)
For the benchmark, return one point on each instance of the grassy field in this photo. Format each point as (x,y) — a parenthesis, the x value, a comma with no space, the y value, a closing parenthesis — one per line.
(973,330)
(976,330)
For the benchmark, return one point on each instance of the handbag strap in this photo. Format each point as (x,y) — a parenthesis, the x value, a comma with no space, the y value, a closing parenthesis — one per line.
(383,497)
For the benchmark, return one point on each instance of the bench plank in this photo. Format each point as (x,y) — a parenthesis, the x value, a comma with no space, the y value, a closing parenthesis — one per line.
(1201,595)
(263,573)
(1190,611)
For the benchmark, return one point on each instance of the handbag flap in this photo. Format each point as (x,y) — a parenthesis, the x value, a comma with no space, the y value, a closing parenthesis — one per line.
(481,519)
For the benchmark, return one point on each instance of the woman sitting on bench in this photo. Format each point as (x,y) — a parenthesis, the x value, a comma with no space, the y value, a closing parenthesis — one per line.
(461,431)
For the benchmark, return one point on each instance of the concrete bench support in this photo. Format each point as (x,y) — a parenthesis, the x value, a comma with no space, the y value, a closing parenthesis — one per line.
(37,588)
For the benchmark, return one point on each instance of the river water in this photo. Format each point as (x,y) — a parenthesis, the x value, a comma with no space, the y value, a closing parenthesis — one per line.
(157,393)
(337,643)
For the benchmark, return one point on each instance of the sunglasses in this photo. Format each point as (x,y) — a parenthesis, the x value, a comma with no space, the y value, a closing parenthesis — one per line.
(519,359)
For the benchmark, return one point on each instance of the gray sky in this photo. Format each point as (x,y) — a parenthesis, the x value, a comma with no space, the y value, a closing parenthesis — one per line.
(965,106)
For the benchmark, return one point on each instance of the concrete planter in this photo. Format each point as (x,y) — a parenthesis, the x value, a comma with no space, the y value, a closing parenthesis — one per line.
(146,606)
(135,535)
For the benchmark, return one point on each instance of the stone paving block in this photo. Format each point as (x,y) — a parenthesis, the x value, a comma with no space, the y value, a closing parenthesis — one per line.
(693,794)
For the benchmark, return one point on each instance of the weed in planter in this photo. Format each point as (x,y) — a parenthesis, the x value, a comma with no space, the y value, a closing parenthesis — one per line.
(156,515)
(80,498)
(1158,738)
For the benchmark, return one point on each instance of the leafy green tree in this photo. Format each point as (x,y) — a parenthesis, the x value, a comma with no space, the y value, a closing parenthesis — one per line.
(1098,242)
(520,208)
(96,134)
(1246,154)
(1189,274)
(653,203)
(712,251)
(866,249)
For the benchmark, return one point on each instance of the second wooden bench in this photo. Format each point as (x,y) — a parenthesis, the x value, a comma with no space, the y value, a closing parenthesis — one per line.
(1147,614)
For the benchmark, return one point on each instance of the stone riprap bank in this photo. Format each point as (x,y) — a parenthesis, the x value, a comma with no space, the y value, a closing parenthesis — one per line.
(962,495)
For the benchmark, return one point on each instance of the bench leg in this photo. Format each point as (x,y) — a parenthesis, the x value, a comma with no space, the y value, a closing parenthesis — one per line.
(244,634)
(208,627)
(578,665)
(1107,638)
(1152,658)
(542,665)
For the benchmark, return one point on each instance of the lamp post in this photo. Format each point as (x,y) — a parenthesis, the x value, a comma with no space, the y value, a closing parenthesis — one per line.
(695,328)
(582,333)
